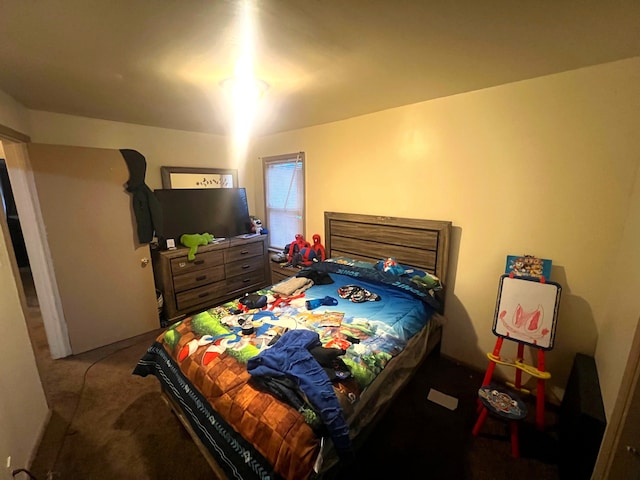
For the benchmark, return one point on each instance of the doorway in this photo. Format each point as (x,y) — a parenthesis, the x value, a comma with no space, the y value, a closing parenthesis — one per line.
(13,219)
(42,277)
(17,238)
(14,240)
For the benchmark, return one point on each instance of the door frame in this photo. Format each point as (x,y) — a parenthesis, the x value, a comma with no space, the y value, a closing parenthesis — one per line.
(26,198)
(629,389)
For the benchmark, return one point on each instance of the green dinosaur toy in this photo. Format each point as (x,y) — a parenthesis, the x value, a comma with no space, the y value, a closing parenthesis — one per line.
(193,240)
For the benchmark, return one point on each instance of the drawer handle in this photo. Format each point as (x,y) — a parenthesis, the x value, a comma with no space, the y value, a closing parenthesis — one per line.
(204,294)
(201,277)
(244,252)
(198,262)
(246,280)
(244,267)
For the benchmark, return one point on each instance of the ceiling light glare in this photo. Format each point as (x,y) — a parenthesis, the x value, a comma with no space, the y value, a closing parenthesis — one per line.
(243,90)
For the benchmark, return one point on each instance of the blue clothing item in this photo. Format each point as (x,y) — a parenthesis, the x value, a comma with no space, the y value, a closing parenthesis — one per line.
(290,357)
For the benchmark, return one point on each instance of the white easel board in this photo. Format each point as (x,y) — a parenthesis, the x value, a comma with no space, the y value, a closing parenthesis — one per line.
(527,311)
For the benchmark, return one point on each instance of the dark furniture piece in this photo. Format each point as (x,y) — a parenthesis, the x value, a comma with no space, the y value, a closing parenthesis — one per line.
(582,420)
(220,272)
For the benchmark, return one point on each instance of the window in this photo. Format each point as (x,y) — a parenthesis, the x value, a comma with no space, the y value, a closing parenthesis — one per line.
(284,197)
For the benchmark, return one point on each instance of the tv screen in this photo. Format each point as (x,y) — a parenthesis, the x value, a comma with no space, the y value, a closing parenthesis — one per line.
(222,212)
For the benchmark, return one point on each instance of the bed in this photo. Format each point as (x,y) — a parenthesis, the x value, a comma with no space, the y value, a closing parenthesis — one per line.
(287,381)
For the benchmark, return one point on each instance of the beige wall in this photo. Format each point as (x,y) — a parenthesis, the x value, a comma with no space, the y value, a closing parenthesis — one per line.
(161,147)
(622,312)
(543,167)
(13,114)
(23,407)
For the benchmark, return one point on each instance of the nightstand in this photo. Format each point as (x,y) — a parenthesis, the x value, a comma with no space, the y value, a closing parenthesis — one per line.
(281,272)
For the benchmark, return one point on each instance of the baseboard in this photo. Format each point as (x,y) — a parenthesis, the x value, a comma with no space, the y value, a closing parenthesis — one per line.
(39,438)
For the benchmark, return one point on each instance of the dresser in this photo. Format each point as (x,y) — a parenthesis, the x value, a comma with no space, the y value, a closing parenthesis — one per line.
(220,272)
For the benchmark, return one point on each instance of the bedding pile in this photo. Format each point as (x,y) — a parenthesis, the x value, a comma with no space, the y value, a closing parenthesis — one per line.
(266,379)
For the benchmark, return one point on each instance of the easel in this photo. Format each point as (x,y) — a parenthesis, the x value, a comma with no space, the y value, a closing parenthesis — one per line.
(537,372)
(525,325)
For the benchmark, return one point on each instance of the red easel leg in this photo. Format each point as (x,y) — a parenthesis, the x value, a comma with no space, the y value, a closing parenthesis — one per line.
(540,395)
(496,353)
(518,383)
(480,421)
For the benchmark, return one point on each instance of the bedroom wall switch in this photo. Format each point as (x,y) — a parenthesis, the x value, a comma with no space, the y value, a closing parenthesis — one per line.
(9,462)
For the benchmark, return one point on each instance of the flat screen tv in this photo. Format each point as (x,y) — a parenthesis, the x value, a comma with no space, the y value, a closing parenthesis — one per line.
(222,212)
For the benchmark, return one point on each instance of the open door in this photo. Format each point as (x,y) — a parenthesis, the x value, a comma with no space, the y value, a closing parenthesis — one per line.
(101,278)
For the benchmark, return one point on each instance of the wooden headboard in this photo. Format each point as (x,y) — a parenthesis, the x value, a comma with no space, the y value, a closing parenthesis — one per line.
(419,243)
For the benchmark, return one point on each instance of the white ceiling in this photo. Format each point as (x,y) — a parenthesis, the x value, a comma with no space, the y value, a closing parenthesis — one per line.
(160,62)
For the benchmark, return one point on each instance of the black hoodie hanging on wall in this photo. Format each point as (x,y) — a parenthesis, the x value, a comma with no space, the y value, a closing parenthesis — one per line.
(145,204)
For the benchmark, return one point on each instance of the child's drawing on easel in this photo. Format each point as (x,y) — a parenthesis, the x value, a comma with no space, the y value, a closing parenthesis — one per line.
(526,311)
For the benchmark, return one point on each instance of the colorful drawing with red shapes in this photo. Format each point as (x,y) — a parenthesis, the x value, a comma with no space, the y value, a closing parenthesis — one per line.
(527,310)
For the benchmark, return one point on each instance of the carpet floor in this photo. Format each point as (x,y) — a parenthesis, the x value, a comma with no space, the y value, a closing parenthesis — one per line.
(109,424)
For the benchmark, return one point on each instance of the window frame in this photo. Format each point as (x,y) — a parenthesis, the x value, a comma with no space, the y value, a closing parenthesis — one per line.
(285,158)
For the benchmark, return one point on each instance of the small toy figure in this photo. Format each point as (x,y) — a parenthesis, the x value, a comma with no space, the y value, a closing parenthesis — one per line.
(257,227)
(318,248)
(390,265)
(295,247)
(192,241)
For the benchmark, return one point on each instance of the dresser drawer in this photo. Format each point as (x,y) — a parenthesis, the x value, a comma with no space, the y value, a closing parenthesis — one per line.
(245,266)
(239,252)
(245,282)
(205,295)
(198,278)
(182,265)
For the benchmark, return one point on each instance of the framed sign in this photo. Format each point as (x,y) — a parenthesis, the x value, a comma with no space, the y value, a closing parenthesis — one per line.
(527,310)
(193,177)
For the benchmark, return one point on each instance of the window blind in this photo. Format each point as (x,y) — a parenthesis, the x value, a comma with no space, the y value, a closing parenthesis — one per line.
(284,197)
